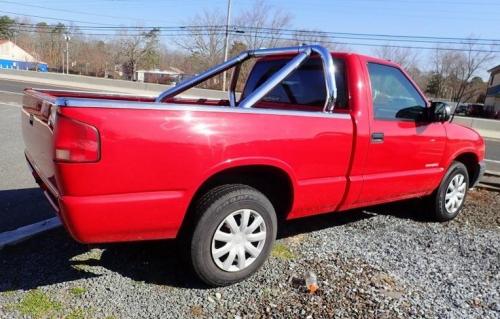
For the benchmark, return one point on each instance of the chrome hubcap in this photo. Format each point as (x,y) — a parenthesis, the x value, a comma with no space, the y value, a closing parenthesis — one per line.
(455,193)
(238,240)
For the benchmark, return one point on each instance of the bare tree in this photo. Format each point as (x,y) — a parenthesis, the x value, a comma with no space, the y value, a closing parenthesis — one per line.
(442,65)
(262,25)
(140,49)
(407,58)
(470,62)
(476,90)
(453,71)
(204,41)
(205,37)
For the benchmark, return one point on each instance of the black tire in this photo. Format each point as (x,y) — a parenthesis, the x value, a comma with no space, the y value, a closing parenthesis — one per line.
(438,209)
(211,210)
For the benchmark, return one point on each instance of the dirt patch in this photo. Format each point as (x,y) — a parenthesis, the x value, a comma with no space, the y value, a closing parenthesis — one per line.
(347,288)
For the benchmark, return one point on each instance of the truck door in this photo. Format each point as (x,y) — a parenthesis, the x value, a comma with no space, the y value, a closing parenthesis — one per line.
(405,150)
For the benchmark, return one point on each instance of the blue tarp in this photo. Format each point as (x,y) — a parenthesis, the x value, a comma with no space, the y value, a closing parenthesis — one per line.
(21,65)
(493,91)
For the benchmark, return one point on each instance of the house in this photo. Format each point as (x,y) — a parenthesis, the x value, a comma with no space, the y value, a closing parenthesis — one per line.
(13,57)
(492,101)
(170,76)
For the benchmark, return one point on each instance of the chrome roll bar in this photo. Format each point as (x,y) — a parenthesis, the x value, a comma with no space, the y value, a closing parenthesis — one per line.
(302,53)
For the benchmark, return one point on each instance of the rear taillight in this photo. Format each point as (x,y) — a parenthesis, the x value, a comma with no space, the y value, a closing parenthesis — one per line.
(75,141)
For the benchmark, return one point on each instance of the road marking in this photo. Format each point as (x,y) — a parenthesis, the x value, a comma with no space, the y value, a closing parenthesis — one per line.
(22,233)
(10,92)
(11,104)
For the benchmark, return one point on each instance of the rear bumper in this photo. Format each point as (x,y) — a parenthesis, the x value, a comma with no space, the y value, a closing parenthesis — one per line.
(116,217)
(123,217)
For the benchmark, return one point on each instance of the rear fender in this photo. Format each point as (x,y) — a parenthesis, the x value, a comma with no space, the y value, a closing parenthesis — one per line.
(248,161)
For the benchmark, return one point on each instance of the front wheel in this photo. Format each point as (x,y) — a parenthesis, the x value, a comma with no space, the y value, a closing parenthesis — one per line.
(234,234)
(448,200)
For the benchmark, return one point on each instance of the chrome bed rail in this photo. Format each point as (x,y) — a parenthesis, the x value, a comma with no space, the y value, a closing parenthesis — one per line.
(302,54)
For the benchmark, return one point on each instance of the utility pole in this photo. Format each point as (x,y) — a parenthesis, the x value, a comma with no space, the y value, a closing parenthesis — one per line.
(226,46)
(67,37)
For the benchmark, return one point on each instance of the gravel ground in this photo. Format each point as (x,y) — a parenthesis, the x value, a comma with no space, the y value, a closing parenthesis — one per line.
(383,262)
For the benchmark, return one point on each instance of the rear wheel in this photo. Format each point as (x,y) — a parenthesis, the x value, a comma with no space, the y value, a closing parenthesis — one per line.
(233,235)
(448,199)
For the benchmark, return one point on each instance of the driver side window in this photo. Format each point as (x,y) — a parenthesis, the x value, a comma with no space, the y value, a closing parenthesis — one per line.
(393,95)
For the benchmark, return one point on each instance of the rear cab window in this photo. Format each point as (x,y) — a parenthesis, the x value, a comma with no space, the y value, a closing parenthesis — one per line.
(302,90)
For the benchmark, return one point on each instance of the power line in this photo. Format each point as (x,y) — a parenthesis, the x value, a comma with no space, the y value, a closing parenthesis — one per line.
(241,31)
(386,45)
(49,18)
(347,35)
(369,34)
(64,10)
(301,31)
(273,33)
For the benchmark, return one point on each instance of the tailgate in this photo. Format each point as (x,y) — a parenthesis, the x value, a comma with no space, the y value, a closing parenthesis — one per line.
(37,117)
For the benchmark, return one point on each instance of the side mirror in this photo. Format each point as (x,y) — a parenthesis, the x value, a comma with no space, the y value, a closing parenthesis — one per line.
(439,112)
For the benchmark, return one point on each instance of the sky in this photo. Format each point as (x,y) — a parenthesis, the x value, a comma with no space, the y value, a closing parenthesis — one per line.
(444,18)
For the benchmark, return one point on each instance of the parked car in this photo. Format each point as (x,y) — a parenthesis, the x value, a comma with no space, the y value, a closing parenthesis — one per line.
(461,109)
(475,110)
(312,132)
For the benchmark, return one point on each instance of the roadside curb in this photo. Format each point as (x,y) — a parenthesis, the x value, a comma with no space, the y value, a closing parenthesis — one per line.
(490,181)
(488,187)
(492,173)
(22,233)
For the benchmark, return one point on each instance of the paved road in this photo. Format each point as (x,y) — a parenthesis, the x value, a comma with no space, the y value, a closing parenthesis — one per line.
(20,200)
(19,86)
(11,91)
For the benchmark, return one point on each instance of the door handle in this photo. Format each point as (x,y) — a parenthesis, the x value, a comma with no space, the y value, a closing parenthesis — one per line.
(378,137)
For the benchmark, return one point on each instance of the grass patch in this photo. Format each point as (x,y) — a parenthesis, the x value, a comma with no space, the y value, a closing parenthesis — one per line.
(282,251)
(77,291)
(8,293)
(77,313)
(37,304)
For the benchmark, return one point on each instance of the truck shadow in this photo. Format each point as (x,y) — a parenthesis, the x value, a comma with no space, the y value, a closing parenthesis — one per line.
(40,261)
(19,207)
(165,263)
(414,209)
(54,257)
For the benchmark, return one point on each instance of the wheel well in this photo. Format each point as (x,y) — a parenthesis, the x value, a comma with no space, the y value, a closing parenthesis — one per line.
(273,182)
(471,162)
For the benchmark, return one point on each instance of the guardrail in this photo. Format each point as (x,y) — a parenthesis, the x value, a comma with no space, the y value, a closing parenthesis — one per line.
(485,127)
(95,83)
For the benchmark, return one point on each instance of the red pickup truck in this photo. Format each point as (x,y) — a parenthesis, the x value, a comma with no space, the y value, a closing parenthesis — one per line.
(311,132)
